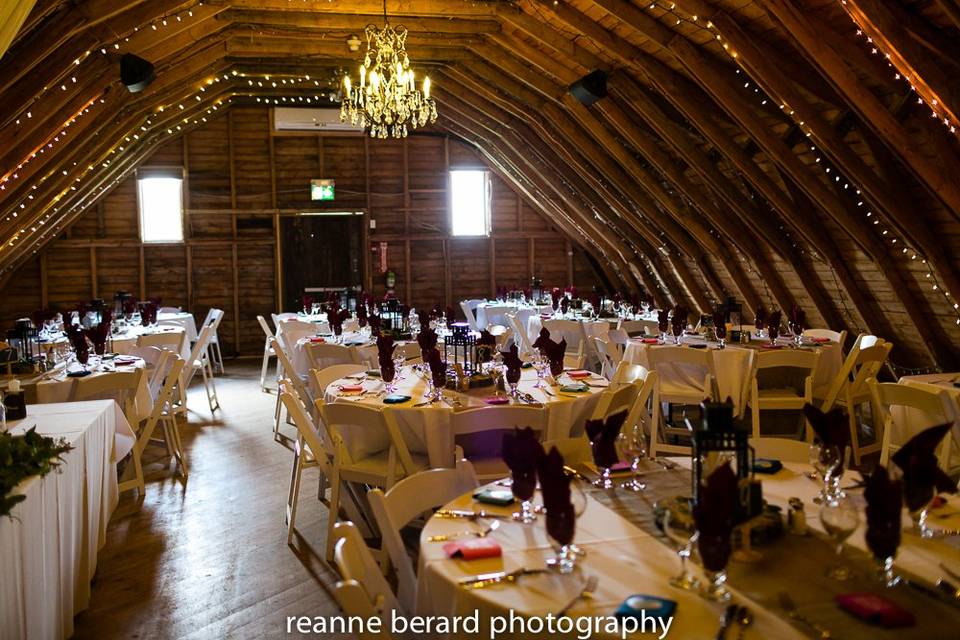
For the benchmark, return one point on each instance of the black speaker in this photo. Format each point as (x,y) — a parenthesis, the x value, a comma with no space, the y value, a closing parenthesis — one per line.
(135,72)
(590,87)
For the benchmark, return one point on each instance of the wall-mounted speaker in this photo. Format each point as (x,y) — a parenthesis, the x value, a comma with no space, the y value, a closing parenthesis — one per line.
(591,87)
(135,72)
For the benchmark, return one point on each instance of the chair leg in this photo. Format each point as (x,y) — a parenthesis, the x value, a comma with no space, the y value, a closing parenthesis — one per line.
(333,513)
(218,361)
(211,390)
(276,420)
(178,447)
(854,437)
(294,497)
(266,365)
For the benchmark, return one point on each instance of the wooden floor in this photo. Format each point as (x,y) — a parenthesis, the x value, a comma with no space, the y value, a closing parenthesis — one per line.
(209,558)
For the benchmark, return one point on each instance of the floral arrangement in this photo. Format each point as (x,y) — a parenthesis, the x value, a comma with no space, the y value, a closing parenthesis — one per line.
(23,456)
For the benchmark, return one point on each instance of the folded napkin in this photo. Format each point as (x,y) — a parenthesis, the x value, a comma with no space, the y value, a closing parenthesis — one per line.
(555,487)
(679,319)
(362,315)
(497,400)
(922,476)
(580,373)
(713,514)
(760,318)
(351,388)
(336,317)
(564,304)
(148,313)
(522,452)
(385,349)
(820,340)
(555,295)
(122,361)
(766,465)
(317,339)
(574,388)
(129,306)
(720,324)
(395,398)
(77,340)
(374,322)
(875,609)
(649,340)
(476,549)
(572,291)
(98,335)
(438,369)
(540,343)
(603,438)
(427,339)
(798,319)
(512,364)
(831,428)
(773,324)
(884,506)
(424,319)
(307,304)
(663,320)
(552,351)
(770,345)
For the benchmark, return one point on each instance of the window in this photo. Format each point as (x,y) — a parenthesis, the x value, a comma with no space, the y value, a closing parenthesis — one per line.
(470,202)
(160,199)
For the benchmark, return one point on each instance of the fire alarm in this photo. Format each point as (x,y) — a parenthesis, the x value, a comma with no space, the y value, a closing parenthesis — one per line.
(353,42)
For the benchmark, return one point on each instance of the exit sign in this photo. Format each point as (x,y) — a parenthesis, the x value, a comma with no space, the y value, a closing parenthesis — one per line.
(321,189)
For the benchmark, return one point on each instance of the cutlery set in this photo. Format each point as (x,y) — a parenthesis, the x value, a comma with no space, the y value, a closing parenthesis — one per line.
(734,614)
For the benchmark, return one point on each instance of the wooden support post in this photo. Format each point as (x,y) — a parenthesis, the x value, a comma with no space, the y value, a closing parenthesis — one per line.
(568,251)
(492,261)
(143,274)
(44,289)
(93,272)
(188,258)
(236,298)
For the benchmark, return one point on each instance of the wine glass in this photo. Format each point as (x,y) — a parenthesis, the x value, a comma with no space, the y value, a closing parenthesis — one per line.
(541,365)
(523,487)
(840,519)
(824,459)
(398,361)
(631,445)
(561,529)
(682,535)
(388,375)
(919,517)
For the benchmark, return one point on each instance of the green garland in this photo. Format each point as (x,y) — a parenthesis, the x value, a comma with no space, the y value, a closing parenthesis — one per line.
(30,454)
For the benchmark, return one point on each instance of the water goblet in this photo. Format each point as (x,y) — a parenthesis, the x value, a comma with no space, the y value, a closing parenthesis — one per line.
(682,535)
(631,445)
(561,530)
(824,459)
(840,519)
(541,365)
(919,517)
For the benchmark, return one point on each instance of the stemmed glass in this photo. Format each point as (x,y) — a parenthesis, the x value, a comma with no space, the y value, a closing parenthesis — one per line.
(541,365)
(840,519)
(567,553)
(919,518)
(824,459)
(681,535)
(631,445)
(398,361)
(388,375)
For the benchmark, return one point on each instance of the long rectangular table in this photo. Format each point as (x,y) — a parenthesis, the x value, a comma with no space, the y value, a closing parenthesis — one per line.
(49,545)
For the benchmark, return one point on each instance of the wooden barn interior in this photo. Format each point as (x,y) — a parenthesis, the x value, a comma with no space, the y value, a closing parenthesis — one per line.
(685,176)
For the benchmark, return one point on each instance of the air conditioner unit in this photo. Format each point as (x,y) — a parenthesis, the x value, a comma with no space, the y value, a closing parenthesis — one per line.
(296,119)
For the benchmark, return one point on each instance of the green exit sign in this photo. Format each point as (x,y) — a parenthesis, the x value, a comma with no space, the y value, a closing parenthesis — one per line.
(321,189)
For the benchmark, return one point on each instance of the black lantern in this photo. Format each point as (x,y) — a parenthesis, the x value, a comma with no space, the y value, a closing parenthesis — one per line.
(459,348)
(718,434)
(391,317)
(536,289)
(25,339)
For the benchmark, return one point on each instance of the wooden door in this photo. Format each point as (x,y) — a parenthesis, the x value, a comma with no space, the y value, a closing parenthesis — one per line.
(320,252)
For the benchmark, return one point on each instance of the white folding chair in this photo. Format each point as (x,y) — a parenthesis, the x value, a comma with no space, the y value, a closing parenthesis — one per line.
(290,374)
(199,361)
(782,449)
(801,364)
(214,317)
(849,389)
(479,432)
(504,336)
(575,450)
(364,591)
(610,355)
(902,412)
(290,332)
(325,354)
(168,340)
(368,449)
(267,353)
(469,308)
(840,337)
(571,331)
(282,317)
(120,386)
(404,502)
(685,378)
(163,415)
(158,361)
(520,337)
(627,372)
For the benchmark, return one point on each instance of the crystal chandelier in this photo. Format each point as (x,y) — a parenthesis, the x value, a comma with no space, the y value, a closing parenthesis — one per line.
(387,102)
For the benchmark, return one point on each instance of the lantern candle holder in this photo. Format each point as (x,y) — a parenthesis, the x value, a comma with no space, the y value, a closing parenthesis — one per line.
(392,319)
(459,350)
(536,290)
(25,339)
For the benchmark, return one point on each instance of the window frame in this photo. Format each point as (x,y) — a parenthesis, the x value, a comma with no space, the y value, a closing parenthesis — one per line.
(175,173)
(488,201)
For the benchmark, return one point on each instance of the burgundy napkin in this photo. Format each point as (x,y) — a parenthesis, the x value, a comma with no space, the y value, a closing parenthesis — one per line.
(486,343)
(385,349)
(374,322)
(148,313)
(436,312)
(555,295)
(572,291)
(760,318)
(98,335)
(476,549)
(595,302)
(438,370)
(362,315)
(336,318)
(773,324)
(424,319)
(720,324)
(798,319)
(522,452)
(540,343)
(77,340)
(831,428)
(922,476)
(603,438)
(663,320)
(427,339)
(713,515)
(129,306)
(512,363)
(555,486)
(679,319)
(555,353)
(307,304)
(884,504)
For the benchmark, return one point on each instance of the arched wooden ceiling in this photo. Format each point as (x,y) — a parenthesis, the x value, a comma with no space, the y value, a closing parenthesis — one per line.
(752,148)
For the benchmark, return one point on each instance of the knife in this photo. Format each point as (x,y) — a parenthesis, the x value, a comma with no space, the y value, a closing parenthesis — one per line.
(487,579)
(467,514)
(726,619)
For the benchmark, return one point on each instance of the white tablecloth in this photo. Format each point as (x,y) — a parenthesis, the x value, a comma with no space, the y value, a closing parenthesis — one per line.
(428,430)
(488,313)
(366,351)
(917,421)
(731,366)
(48,549)
(59,388)
(182,319)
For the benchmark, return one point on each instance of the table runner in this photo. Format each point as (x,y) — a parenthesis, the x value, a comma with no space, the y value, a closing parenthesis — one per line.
(48,549)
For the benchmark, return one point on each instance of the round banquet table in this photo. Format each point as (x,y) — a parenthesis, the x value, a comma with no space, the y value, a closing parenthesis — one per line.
(628,554)
(182,319)
(488,313)
(126,341)
(427,430)
(360,342)
(731,364)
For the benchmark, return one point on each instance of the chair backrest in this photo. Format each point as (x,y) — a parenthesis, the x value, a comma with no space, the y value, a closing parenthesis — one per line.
(315,441)
(325,354)
(407,500)
(683,367)
(902,411)
(159,362)
(503,334)
(616,399)
(291,331)
(168,340)
(574,450)
(494,418)
(627,372)
(469,311)
(783,449)
(618,337)
(524,345)
(358,431)
(286,367)
(161,403)
(267,331)
(860,365)
(608,361)
(364,591)
(117,385)
(320,379)
(200,346)
(569,330)
(803,361)
(833,336)
(282,317)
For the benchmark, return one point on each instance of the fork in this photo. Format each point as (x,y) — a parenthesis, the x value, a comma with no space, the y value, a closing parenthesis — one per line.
(464,534)
(587,591)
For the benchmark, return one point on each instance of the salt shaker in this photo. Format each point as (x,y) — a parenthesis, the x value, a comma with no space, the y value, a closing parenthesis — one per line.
(797,518)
